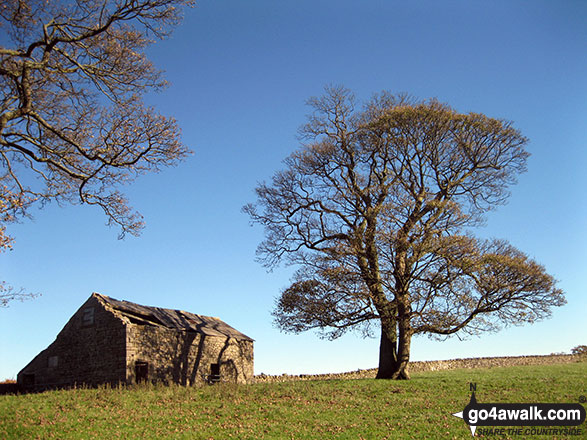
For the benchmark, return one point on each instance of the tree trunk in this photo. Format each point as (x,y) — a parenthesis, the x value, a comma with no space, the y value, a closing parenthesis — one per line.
(393,357)
(403,349)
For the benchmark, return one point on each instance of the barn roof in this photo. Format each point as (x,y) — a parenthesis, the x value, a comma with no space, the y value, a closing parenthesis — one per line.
(169,318)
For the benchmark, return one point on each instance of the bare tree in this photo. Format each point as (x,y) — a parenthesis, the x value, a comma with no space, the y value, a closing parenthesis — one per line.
(73,125)
(376,210)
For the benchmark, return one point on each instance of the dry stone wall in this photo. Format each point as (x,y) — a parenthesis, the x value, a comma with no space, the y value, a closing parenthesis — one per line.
(452,364)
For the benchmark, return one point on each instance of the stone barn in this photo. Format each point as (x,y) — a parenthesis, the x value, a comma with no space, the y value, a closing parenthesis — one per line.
(112,341)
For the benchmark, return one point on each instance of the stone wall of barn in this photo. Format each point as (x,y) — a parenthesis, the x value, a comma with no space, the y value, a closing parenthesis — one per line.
(160,354)
(89,350)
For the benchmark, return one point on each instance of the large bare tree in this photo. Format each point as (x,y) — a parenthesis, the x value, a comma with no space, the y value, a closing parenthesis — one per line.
(73,125)
(376,210)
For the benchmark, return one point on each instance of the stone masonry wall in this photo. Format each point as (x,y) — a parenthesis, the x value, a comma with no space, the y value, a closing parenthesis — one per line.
(89,350)
(452,364)
(186,357)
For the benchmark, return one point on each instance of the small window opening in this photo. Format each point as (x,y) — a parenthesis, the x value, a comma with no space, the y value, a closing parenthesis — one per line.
(28,379)
(88,316)
(141,371)
(53,361)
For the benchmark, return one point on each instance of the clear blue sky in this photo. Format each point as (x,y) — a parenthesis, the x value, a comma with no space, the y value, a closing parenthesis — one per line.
(240,73)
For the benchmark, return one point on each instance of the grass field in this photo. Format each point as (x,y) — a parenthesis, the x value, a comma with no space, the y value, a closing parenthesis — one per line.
(337,409)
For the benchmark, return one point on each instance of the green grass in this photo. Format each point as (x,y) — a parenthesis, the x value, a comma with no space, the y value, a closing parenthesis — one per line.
(337,409)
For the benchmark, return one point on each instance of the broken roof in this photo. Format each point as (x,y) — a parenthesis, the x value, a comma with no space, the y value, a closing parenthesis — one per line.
(173,319)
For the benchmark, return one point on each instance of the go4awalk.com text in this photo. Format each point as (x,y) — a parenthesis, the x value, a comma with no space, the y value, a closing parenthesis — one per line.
(524,419)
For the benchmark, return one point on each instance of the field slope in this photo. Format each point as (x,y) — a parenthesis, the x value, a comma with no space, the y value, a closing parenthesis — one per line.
(335,409)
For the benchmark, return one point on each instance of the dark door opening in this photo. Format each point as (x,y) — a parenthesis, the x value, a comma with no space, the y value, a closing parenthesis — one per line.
(214,373)
(141,371)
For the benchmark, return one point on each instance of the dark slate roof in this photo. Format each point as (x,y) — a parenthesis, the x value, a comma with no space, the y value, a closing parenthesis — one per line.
(173,319)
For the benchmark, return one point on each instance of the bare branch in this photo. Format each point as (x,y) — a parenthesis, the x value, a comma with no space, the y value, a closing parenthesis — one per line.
(67,57)
(73,126)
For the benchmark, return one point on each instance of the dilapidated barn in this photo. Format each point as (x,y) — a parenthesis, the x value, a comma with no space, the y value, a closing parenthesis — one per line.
(112,341)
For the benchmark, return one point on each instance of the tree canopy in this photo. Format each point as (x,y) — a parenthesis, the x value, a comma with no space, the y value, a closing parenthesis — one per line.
(73,124)
(377,209)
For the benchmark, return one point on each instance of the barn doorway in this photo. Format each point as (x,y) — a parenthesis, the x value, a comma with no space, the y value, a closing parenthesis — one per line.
(214,376)
(141,371)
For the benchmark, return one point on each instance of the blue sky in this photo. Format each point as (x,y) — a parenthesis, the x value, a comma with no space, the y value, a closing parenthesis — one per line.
(240,73)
